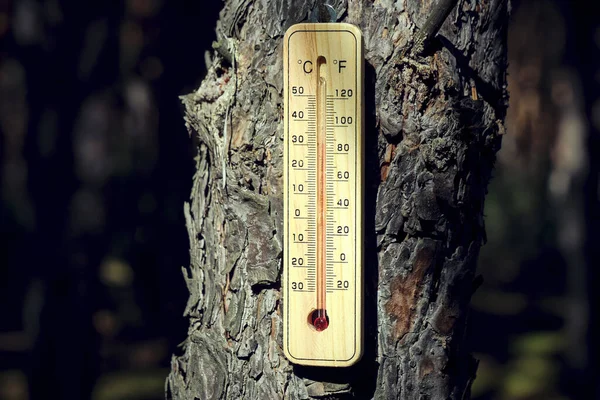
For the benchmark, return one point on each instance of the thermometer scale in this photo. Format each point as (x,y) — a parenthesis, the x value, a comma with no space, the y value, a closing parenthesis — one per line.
(323,186)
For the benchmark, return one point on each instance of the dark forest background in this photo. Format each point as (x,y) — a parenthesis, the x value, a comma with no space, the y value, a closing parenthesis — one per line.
(95,164)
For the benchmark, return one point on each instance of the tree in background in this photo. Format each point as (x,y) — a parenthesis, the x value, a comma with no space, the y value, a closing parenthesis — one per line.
(94,166)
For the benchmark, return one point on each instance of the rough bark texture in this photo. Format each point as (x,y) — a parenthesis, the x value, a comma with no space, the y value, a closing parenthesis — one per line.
(434,124)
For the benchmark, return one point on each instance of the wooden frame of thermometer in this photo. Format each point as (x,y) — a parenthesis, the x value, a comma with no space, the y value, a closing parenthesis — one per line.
(323,194)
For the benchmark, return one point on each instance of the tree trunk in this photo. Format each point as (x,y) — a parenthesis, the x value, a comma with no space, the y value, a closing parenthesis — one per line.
(434,115)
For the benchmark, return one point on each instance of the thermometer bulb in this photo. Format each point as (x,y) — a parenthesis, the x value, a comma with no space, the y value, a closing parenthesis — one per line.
(319,320)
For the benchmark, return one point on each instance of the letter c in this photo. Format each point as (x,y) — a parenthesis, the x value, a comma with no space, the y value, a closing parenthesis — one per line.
(305,67)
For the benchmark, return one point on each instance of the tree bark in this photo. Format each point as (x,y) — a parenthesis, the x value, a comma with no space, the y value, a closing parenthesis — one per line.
(434,115)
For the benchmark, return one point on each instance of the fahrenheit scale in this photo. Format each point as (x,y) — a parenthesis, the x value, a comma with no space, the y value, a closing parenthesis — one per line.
(323,181)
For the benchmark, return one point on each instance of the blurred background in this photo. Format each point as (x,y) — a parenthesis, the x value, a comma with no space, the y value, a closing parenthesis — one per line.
(534,320)
(95,164)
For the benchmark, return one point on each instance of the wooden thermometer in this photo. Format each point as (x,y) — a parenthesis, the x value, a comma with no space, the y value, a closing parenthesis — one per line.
(323,184)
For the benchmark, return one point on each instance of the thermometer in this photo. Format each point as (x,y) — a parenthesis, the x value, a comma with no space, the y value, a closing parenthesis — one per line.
(323,190)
